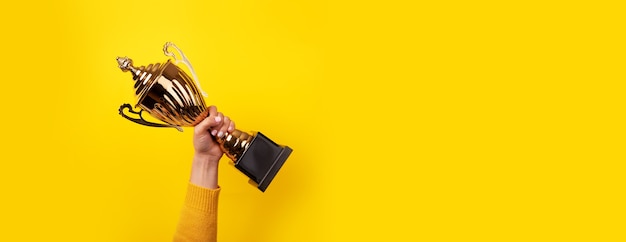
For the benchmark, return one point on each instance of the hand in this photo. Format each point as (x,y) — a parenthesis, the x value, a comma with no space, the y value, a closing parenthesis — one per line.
(207,151)
(205,133)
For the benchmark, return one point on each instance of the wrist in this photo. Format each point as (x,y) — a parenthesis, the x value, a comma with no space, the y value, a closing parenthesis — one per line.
(205,160)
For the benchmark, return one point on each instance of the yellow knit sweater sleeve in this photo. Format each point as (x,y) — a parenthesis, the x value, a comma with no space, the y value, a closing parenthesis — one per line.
(198,219)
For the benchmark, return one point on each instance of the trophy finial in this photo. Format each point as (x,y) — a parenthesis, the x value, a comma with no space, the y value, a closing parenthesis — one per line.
(125,63)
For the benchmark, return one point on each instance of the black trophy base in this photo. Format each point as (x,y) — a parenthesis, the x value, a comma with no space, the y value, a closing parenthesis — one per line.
(262,160)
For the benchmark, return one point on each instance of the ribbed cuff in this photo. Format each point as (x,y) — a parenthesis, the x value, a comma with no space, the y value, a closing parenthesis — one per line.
(201,198)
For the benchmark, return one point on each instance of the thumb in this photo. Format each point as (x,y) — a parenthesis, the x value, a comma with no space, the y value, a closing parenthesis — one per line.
(214,119)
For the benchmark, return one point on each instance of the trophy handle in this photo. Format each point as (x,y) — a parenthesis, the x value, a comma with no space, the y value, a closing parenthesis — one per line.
(142,121)
(185,61)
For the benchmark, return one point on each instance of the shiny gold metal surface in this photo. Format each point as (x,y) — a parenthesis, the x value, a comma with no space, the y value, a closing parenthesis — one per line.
(169,94)
(166,92)
(235,143)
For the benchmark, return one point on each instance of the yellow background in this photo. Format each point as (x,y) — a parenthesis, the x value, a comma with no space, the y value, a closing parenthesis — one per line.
(410,121)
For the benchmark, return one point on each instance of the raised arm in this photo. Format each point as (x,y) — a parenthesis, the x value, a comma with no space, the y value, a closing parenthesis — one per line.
(198,220)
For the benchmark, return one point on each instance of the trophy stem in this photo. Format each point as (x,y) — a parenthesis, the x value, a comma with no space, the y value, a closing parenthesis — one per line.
(235,143)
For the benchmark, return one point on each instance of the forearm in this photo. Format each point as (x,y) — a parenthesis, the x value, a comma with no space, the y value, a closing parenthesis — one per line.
(204,171)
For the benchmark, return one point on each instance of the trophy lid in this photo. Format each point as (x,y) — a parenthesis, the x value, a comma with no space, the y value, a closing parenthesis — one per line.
(143,75)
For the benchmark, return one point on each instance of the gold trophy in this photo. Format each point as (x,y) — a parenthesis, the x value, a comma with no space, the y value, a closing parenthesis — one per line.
(169,94)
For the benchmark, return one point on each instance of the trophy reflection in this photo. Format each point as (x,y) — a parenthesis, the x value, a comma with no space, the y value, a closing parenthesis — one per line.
(169,94)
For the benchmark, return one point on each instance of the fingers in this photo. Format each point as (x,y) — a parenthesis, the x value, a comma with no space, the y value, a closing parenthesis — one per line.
(219,121)
(227,126)
(216,123)
(231,127)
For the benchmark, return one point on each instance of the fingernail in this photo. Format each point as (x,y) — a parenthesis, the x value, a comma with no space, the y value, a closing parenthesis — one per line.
(218,119)
(220,134)
(214,132)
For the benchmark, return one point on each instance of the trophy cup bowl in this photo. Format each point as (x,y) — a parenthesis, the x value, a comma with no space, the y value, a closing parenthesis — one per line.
(169,94)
